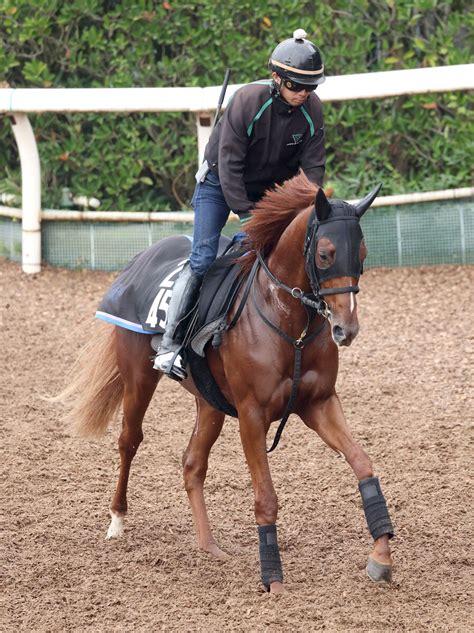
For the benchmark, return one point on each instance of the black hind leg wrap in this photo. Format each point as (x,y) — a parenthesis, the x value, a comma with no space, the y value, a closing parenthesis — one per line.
(270,562)
(375,508)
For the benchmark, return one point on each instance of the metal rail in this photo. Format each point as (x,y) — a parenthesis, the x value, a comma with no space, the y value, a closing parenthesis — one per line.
(17,102)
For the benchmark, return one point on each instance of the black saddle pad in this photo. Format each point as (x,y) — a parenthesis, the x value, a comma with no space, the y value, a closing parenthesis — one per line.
(138,299)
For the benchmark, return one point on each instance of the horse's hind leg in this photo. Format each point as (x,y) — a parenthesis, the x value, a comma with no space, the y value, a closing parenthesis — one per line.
(327,419)
(195,460)
(140,380)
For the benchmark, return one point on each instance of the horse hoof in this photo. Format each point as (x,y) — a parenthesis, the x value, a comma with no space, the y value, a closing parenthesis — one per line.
(115,528)
(378,572)
(216,551)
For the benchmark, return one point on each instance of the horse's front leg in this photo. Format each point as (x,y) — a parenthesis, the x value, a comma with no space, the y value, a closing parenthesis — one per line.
(327,418)
(195,461)
(253,432)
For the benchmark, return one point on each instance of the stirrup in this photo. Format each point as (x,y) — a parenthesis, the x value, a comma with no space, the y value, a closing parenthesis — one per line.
(171,364)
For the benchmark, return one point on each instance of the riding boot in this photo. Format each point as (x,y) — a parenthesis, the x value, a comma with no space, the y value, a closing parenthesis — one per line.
(184,296)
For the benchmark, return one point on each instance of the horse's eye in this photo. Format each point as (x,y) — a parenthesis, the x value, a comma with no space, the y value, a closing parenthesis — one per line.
(325,253)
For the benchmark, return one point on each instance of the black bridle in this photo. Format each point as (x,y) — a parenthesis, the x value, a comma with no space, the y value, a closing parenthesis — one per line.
(314,299)
(313,303)
(311,299)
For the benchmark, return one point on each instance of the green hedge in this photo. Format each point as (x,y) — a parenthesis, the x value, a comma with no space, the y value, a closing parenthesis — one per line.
(147,162)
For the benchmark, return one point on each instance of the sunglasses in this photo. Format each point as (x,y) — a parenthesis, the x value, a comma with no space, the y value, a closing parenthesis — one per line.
(296,87)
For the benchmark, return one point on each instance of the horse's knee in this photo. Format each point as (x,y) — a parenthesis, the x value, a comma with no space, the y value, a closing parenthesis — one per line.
(266,508)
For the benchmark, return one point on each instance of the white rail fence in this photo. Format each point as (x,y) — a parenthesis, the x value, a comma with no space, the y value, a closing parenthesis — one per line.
(17,103)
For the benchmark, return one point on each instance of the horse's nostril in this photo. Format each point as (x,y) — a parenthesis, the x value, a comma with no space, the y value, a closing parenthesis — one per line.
(343,336)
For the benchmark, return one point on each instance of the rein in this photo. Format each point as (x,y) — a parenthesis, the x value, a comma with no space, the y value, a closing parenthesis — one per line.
(313,300)
(313,303)
(298,344)
(317,304)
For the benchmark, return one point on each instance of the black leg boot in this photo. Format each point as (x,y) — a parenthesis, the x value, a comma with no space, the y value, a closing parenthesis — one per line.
(185,294)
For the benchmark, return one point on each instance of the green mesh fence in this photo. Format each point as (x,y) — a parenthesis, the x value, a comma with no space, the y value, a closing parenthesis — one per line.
(408,235)
(10,239)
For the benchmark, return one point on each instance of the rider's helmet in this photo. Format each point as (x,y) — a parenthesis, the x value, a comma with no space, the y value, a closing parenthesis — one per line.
(298,60)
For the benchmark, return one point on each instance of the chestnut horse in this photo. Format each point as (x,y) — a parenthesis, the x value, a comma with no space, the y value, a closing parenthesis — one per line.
(283,350)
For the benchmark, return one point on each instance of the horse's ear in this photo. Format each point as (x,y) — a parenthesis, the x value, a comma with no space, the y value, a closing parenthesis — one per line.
(323,208)
(362,206)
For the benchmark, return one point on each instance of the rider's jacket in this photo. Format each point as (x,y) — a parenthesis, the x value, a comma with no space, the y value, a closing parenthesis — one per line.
(261,140)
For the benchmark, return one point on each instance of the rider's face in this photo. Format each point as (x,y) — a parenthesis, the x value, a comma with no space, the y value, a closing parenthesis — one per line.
(294,99)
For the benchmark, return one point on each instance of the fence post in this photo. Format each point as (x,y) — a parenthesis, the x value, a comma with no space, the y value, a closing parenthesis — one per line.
(30,193)
(463,235)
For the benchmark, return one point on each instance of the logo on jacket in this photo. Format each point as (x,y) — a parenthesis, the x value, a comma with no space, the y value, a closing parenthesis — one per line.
(297,138)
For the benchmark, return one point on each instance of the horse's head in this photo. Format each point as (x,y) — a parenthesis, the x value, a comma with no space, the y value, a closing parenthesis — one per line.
(334,256)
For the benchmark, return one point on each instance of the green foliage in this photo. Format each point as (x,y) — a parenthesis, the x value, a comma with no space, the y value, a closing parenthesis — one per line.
(147,161)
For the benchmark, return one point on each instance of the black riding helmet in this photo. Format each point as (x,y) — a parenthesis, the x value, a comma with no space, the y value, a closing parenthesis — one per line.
(299,60)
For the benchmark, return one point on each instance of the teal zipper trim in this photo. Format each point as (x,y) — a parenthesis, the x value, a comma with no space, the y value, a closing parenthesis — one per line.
(308,118)
(258,115)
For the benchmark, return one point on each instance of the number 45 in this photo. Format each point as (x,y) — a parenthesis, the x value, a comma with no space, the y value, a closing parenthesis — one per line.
(161,302)
(163,297)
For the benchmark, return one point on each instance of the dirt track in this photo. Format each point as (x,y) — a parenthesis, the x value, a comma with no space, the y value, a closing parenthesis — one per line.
(406,385)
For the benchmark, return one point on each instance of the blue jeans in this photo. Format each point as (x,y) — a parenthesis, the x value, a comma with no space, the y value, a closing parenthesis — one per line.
(210,215)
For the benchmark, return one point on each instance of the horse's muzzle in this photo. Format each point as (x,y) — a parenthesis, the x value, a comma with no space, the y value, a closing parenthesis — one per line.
(344,335)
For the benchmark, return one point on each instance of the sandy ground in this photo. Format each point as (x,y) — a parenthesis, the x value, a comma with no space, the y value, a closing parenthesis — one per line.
(406,385)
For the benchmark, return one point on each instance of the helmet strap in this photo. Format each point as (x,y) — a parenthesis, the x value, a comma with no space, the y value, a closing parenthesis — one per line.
(276,89)
(276,93)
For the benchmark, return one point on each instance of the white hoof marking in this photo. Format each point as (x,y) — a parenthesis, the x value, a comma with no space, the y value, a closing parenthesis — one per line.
(116,527)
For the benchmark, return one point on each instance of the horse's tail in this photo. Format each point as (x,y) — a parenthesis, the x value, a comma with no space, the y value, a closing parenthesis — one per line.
(95,391)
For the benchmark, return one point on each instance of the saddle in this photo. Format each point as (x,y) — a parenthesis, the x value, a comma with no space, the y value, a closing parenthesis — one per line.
(220,287)
(138,300)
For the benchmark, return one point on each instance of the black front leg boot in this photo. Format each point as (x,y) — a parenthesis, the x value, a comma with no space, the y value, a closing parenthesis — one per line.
(375,508)
(270,561)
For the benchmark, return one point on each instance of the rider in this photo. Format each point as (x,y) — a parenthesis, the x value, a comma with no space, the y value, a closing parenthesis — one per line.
(269,130)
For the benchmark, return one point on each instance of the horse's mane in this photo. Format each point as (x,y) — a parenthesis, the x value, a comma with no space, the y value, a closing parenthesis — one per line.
(273,213)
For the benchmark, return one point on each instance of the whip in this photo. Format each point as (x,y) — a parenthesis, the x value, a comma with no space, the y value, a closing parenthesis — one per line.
(221,97)
(204,168)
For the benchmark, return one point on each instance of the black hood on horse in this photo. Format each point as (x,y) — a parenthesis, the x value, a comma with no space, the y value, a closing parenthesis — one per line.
(333,240)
